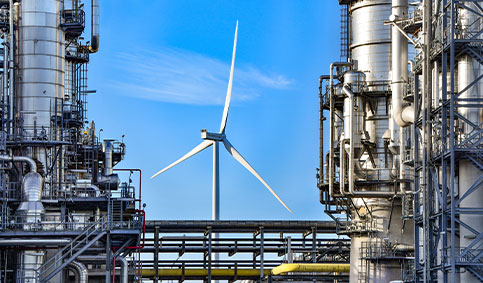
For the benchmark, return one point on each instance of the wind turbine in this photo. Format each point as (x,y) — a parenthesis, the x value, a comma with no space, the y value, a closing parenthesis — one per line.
(212,139)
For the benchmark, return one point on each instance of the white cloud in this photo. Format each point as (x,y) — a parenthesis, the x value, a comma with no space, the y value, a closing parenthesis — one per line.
(181,76)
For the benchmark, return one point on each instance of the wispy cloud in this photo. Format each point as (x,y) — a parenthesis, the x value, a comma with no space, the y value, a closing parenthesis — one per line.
(181,76)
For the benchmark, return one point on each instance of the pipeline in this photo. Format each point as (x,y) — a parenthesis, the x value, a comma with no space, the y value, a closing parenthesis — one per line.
(402,113)
(107,148)
(30,161)
(172,272)
(80,270)
(94,47)
(34,242)
(102,258)
(311,267)
(346,89)
(331,132)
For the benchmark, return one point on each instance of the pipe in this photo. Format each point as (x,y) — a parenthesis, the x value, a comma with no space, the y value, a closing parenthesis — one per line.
(402,113)
(124,269)
(311,267)
(80,270)
(30,161)
(173,272)
(331,130)
(94,47)
(346,89)
(11,65)
(34,242)
(140,180)
(107,148)
(102,258)
(321,129)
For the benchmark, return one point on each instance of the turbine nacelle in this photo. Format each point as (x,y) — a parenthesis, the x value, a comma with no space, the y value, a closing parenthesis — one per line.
(212,136)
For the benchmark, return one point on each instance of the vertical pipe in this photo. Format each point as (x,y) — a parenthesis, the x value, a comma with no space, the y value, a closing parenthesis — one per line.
(262,235)
(156,253)
(331,130)
(401,112)
(452,254)
(94,47)
(11,64)
(124,269)
(5,76)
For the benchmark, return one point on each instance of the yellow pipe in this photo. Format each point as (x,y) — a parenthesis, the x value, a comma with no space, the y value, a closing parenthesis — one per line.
(172,272)
(311,267)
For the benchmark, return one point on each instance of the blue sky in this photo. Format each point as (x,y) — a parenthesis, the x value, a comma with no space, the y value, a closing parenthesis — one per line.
(161,76)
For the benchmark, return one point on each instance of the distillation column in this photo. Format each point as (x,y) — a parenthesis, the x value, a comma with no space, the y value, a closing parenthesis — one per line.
(370,161)
(41,71)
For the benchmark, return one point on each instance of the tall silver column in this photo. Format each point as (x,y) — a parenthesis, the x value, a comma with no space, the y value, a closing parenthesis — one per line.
(41,65)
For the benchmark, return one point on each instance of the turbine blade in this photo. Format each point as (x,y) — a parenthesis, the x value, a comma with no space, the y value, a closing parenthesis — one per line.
(230,84)
(194,151)
(229,147)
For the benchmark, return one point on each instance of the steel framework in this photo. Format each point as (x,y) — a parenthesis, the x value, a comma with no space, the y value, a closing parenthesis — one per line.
(247,250)
(438,208)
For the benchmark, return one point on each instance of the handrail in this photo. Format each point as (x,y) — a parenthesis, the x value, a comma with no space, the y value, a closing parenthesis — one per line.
(53,260)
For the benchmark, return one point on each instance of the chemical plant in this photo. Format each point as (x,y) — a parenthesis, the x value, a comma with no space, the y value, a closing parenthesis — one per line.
(401,179)
(64,210)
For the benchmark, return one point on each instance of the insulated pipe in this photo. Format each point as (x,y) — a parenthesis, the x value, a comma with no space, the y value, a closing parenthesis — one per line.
(102,258)
(124,268)
(331,130)
(80,270)
(346,89)
(402,113)
(311,267)
(30,161)
(108,149)
(94,47)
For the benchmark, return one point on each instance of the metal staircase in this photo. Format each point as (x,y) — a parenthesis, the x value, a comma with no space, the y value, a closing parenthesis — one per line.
(117,210)
(71,251)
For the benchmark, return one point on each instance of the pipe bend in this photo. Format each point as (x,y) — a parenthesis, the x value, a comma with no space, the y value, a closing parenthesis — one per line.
(80,270)
(30,161)
(124,269)
(403,116)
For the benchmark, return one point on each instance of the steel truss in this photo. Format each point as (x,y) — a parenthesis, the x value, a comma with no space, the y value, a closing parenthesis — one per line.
(438,208)
(247,250)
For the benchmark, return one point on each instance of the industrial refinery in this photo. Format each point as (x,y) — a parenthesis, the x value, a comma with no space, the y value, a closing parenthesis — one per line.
(400,160)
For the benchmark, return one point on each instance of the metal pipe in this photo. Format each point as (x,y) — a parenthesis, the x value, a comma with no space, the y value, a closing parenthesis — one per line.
(30,161)
(402,113)
(346,89)
(94,47)
(124,269)
(171,272)
(108,149)
(311,267)
(34,242)
(11,64)
(102,258)
(81,271)
(331,130)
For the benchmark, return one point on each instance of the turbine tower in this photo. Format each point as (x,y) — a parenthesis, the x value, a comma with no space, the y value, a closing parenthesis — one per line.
(212,139)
